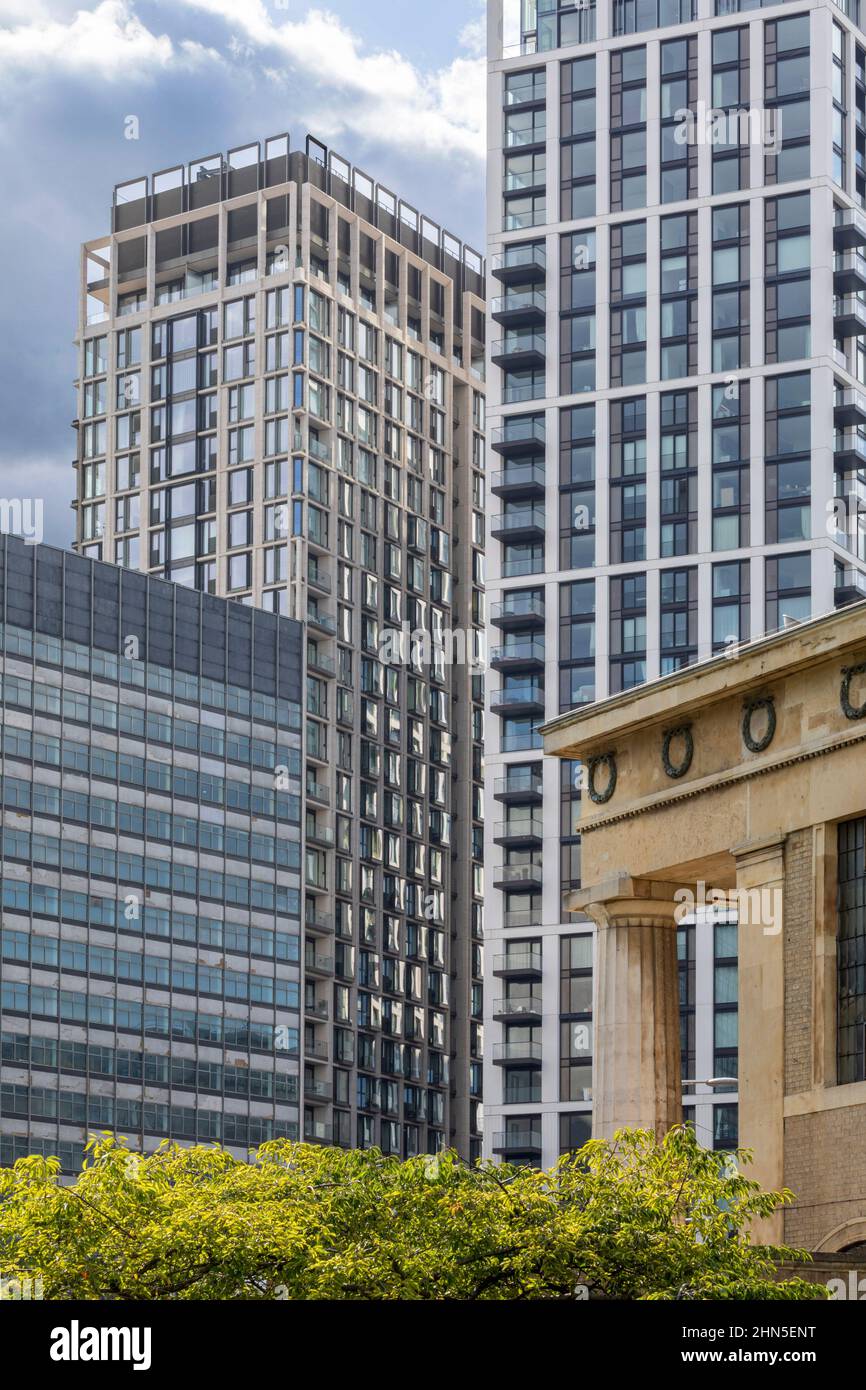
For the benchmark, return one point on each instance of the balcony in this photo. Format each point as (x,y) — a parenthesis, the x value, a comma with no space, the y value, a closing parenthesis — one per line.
(315,964)
(318,579)
(318,923)
(324,622)
(525,1010)
(318,1132)
(850,586)
(518,877)
(523,1143)
(519,307)
(850,229)
(519,350)
(524,786)
(318,1092)
(850,408)
(522,964)
(522,1054)
(315,883)
(849,317)
(524,524)
(320,834)
(518,265)
(520,436)
(518,656)
(522,697)
(317,1009)
(849,453)
(318,449)
(321,665)
(529,830)
(849,274)
(316,1051)
(318,792)
(521,609)
(520,480)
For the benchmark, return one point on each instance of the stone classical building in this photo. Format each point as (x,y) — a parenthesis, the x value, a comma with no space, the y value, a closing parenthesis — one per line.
(737,787)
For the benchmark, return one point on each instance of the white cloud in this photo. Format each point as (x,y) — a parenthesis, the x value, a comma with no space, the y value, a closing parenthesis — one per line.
(109,41)
(473,36)
(351,89)
(379,95)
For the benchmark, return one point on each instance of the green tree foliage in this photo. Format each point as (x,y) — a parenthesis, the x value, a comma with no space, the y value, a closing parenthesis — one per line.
(631,1219)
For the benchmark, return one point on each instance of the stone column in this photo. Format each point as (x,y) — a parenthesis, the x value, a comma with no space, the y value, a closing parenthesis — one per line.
(761,1041)
(636,1050)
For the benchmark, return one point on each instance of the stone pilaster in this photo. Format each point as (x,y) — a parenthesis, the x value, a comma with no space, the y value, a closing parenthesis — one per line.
(761,1042)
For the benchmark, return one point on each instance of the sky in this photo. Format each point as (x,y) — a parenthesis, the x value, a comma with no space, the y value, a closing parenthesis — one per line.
(394,86)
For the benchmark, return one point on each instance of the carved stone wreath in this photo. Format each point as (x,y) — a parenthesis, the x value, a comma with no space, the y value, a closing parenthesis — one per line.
(848,673)
(683,731)
(603,760)
(757,745)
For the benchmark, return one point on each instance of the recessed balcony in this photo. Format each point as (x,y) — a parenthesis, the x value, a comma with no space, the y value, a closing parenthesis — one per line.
(317,1009)
(318,1132)
(521,697)
(849,274)
(519,350)
(319,792)
(849,231)
(520,436)
(519,265)
(317,579)
(317,1092)
(320,664)
(849,317)
(527,655)
(320,619)
(517,1054)
(318,923)
(522,524)
(520,878)
(518,1143)
(522,964)
(317,964)
(519,834)
(519,307)
(849,453)
(520,480)
(850,408)
(524,787)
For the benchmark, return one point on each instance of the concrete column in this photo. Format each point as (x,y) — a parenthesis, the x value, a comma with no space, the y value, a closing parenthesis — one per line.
(636,1049)
(761,1043)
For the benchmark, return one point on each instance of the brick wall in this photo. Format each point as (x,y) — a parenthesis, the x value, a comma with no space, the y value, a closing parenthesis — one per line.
(825,1165)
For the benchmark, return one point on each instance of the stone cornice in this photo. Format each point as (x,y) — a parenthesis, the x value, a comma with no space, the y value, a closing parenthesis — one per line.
(836,636)
(721,781)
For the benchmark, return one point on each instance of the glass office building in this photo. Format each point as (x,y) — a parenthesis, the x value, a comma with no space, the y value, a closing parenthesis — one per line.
(150,878)
(677,410)
(281,401)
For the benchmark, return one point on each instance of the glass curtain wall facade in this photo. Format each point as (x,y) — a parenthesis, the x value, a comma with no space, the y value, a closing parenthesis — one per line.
(677,411)
(281,401)
(150,879)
